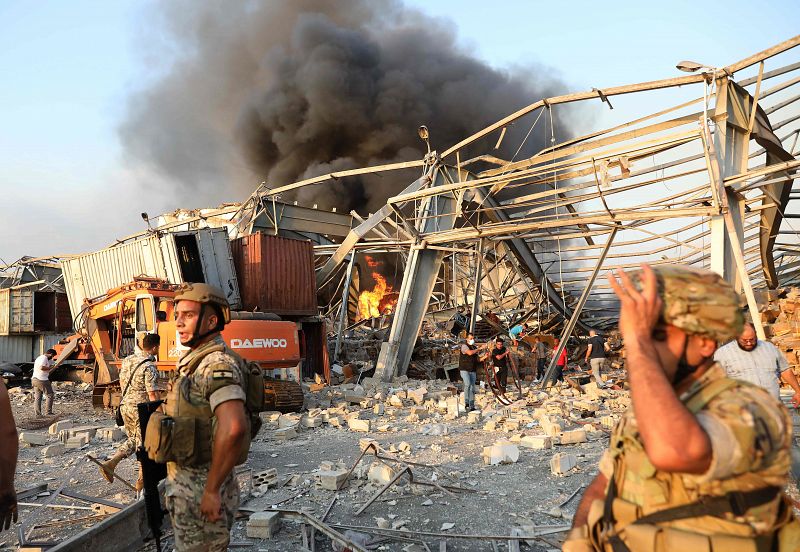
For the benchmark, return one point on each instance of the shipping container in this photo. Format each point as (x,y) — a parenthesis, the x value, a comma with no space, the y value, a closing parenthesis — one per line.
(16,310)
(202,255)
(25,348)
(276,274)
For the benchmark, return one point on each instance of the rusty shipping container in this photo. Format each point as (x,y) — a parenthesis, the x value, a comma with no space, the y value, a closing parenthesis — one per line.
(275,274)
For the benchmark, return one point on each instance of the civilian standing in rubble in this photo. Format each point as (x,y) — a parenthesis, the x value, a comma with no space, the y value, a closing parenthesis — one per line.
(758,362)
(468,366)
(138,379)
(596,355)
(9,448)
(41,382)
(561,364)
(518,332)
(206,403)
(540,350)
(500,362)
(699,461)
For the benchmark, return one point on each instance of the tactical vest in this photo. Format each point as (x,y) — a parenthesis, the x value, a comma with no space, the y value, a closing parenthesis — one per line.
(652,510)
(468,363)
(184,434)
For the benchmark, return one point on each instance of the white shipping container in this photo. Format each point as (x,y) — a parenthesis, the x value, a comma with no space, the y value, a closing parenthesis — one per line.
(191,256)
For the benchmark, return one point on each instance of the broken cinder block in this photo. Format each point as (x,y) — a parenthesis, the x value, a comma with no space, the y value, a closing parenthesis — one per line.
(502,452)
(380,473)
(27,438)
(562,463)
(572,437)
(331,479)
(358,425)
(537,442)
(110,434)
(263,525)
(53,450)
(56,427)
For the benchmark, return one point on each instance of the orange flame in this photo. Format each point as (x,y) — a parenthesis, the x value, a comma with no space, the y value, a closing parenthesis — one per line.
(378,301)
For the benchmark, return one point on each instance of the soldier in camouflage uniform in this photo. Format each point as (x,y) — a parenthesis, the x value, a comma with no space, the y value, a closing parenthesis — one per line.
(203,499)
(138,379)
(700,461)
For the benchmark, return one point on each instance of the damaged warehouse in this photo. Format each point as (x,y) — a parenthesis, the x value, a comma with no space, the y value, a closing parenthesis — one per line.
(357,320)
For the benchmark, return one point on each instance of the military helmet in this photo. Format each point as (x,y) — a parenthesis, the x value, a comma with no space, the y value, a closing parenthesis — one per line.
(696,300)
(204,293)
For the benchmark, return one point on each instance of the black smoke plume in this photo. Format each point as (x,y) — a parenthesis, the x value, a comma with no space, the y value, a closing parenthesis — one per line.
(279,91)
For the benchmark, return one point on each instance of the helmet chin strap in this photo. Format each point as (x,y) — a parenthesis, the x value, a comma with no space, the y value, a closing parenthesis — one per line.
(197,338)
(684,368)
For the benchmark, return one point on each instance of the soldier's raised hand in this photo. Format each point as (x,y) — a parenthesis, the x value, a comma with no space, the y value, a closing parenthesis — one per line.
(639,310)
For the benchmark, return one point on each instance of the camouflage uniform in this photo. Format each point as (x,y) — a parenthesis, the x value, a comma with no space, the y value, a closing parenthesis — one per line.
(185,485)
(750,434)
(145,378)
(749,431)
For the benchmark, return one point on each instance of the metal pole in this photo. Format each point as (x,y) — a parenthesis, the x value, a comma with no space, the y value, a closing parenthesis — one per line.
(578,308)
(343,307)
(476,299)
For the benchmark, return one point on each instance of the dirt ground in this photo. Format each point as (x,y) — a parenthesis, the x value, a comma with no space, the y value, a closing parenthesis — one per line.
(496,499)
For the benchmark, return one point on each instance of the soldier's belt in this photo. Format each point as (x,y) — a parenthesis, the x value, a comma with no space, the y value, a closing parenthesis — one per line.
(735,502)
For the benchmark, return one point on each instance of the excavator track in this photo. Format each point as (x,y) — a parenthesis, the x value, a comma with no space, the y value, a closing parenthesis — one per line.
(283,395)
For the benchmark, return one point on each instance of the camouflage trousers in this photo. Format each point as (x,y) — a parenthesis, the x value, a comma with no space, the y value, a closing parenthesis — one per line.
(184,491)
(131,418)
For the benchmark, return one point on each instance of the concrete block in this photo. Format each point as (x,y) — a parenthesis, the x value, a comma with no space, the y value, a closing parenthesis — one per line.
(435,429)
(265,477)
(537,442)
(419,411)
(285,433)
(502,452)
(358,425)
(572,437)
(380,473)
(263,525)
(77,441)
(365,442)
(454,409)
(395,400)
(378,409)
(354,398)
(27,438)
(331,479)
(562,463)
(110,434)
(288,420)
(552,425)
(474,417)
(310,421)
(56,427)
(418,395)
(53,450)
(270,417)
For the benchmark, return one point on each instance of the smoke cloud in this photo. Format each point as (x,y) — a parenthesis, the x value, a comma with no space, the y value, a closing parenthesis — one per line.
(280,91)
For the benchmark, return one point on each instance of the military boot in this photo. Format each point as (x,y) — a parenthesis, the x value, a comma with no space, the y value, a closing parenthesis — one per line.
(107,468)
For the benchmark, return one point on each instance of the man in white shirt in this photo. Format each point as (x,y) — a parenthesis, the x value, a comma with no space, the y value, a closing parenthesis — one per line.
(757,362)
(41,382)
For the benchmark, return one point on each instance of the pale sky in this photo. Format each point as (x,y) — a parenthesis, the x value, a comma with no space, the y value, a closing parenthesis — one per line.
(68,69)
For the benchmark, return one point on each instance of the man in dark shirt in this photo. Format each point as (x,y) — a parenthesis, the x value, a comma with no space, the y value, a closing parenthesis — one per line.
(596,355)
(500,361)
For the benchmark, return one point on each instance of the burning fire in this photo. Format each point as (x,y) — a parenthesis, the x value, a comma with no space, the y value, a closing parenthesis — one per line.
(378,301)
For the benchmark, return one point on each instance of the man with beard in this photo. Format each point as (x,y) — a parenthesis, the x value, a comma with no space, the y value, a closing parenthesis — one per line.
(758,362)
(699,461)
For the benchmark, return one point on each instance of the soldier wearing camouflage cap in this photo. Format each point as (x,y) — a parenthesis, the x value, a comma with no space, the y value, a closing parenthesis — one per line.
(699,461)
(202,492)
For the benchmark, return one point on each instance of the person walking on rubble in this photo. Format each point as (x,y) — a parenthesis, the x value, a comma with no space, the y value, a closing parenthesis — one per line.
(596,355)
(138,379)
(758,362)
(40,381)
(699,461)
(540,351)
(500,361)
(207,414)
(561,363)
(468,361)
